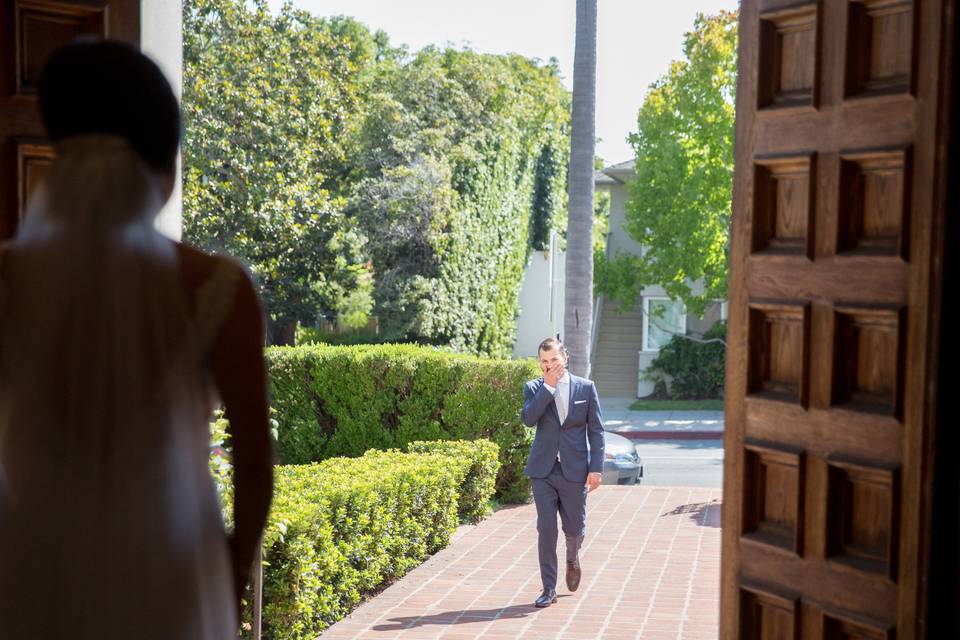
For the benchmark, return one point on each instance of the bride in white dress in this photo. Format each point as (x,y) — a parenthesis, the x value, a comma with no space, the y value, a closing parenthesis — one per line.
(114,342)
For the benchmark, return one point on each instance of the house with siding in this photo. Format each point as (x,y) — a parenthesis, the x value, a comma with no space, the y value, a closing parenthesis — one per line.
(624,342)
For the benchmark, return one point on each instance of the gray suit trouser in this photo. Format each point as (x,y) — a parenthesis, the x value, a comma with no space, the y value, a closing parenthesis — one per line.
(552,494)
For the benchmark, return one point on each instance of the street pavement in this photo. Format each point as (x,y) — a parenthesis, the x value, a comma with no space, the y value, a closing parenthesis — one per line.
(650,425)
(681,463)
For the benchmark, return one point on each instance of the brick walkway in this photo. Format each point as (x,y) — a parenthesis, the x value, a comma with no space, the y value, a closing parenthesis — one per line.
(651,565)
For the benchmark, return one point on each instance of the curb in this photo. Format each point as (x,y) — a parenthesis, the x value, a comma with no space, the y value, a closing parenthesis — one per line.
(670,435)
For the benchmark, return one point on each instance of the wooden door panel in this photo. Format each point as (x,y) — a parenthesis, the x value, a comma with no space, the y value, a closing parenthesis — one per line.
(30,30)
(33,158)
(40,28)
(840,159)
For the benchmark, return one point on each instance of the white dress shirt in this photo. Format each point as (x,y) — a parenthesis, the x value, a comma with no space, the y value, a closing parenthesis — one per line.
(561,396)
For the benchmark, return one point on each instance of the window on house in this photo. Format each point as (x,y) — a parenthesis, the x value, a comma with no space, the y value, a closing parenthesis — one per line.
(662,319)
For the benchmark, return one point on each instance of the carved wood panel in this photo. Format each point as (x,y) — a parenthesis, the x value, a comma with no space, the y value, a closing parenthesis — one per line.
(31,30)
(839,185)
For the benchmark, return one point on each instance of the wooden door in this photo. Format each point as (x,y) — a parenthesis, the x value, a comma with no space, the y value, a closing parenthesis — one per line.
(30,30)
(841,144)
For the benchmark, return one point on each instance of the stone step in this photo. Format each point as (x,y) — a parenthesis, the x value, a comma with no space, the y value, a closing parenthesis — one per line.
(601,376)
(608,377)
(619,365)
(624,339)
(607,332)
(608,372)
(616,352)
(620,339)
(607,324)
(615,381)
(615,347)
(618,327)
(612,347)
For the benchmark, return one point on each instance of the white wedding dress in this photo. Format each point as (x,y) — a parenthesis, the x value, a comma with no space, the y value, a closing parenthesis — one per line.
(109,521)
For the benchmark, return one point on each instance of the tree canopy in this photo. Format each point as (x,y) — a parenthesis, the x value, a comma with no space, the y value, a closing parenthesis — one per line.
(268,100)
(458,149)
(354,177)
(679,206)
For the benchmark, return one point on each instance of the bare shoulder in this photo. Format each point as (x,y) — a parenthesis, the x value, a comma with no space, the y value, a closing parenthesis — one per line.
(198,266)
(195,265)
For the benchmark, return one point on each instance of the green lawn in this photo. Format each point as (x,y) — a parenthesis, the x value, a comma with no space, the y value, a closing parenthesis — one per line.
(713,404)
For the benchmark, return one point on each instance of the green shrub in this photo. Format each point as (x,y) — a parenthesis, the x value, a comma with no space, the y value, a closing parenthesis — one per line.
(313,335)
(341,401)
(696,368)
(341,529)
(481,478)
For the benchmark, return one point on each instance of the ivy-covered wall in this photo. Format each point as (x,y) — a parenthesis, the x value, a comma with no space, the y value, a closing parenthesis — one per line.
(460,148)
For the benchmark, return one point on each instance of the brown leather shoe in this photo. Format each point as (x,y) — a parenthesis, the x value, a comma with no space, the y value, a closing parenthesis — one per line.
(547,598)
(573,575)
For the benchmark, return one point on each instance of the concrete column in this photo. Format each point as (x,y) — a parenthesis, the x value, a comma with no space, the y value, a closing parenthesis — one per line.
(161,38)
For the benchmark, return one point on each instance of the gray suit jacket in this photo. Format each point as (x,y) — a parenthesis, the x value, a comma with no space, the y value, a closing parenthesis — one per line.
(570,438)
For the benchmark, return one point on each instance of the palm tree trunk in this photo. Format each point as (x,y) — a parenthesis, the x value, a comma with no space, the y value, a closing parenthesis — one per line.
(578,314)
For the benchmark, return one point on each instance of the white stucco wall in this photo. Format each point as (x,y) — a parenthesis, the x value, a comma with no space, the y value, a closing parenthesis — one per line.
(161,38)
(541,300)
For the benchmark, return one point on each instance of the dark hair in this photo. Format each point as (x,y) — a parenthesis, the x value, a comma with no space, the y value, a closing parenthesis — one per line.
(110,87)
(551,343)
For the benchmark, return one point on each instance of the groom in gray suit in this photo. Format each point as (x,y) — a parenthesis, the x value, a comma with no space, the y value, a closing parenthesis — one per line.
(561,466)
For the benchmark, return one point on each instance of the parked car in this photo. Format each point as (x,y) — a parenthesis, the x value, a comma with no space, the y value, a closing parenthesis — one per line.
(621,464)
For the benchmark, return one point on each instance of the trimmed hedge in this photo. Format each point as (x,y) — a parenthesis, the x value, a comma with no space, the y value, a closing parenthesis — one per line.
(343,528)
(342,400)
(479,482)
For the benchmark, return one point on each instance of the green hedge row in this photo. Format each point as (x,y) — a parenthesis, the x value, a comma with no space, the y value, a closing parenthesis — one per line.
(342,400)
(479,482)
(343,528)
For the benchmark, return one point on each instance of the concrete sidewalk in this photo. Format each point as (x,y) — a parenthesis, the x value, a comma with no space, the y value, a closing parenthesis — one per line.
(659,425)
(651,565)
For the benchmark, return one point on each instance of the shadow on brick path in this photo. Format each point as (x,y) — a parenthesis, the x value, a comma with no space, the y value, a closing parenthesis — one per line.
(651,571)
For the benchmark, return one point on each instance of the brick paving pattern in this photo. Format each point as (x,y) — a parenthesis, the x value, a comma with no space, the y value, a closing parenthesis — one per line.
(651,570)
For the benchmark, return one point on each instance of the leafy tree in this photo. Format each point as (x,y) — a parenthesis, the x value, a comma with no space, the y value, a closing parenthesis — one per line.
(452,147)
(308,136)
(268,102)
(680,202)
